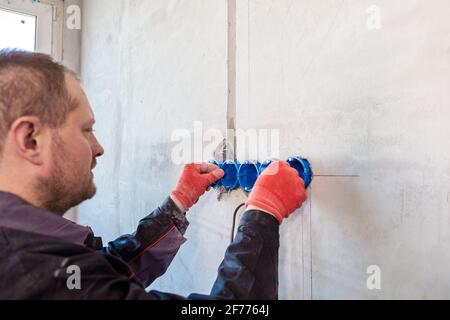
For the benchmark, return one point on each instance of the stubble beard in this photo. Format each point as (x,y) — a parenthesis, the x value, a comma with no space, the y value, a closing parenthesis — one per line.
(65,188)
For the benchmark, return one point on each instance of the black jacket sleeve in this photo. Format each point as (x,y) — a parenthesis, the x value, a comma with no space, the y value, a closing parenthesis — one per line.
(248,271)
(151,248)
(250,267)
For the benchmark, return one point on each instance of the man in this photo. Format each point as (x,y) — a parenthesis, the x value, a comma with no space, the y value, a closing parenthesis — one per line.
(47,153)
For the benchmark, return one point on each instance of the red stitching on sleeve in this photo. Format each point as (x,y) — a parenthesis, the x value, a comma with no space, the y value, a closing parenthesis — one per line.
(150,246)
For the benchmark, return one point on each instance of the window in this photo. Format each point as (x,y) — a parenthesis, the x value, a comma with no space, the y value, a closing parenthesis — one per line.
(24,26)
(32,25)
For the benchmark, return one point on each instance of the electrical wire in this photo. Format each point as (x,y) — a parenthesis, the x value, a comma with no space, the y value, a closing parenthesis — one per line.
(234,220)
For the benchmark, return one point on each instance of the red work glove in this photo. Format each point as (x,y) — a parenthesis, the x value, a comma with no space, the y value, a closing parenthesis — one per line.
(279,191)
(195,179)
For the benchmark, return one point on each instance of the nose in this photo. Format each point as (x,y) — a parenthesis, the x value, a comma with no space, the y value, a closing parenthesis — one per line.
(97,149)
(100,151)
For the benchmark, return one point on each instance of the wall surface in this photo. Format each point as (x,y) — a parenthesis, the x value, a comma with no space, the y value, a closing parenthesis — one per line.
(368,107)
(72,36)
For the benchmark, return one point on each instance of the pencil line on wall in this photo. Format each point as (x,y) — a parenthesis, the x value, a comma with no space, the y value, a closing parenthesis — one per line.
(337,175)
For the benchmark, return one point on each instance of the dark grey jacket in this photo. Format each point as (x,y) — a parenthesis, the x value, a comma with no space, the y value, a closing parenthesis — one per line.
(38,251)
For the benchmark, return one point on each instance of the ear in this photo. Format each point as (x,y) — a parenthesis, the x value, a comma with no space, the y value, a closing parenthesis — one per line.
(27,136)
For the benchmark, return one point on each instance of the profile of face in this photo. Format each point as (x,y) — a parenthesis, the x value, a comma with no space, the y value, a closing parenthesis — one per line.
(73,150)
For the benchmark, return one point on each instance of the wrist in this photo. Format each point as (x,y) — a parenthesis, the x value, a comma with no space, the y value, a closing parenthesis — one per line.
(178,203)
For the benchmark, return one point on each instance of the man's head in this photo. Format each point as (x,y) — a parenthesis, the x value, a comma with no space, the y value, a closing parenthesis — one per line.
(47,145)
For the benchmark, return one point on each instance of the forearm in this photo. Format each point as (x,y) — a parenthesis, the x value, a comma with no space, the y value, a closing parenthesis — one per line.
(150,250)
(250,267)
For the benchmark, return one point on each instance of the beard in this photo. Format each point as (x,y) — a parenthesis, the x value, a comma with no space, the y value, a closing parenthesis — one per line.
(66,187)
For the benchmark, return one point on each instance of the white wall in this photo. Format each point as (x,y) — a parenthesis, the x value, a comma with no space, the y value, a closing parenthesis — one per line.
(369,107)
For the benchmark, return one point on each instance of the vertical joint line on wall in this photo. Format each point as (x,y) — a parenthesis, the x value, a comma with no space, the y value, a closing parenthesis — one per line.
(310,241)
(231,97)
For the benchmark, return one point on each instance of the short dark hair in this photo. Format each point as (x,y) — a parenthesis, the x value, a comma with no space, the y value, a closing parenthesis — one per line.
(32,84)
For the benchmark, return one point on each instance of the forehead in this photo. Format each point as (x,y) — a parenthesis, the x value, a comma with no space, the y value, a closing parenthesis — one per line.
(84,110)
